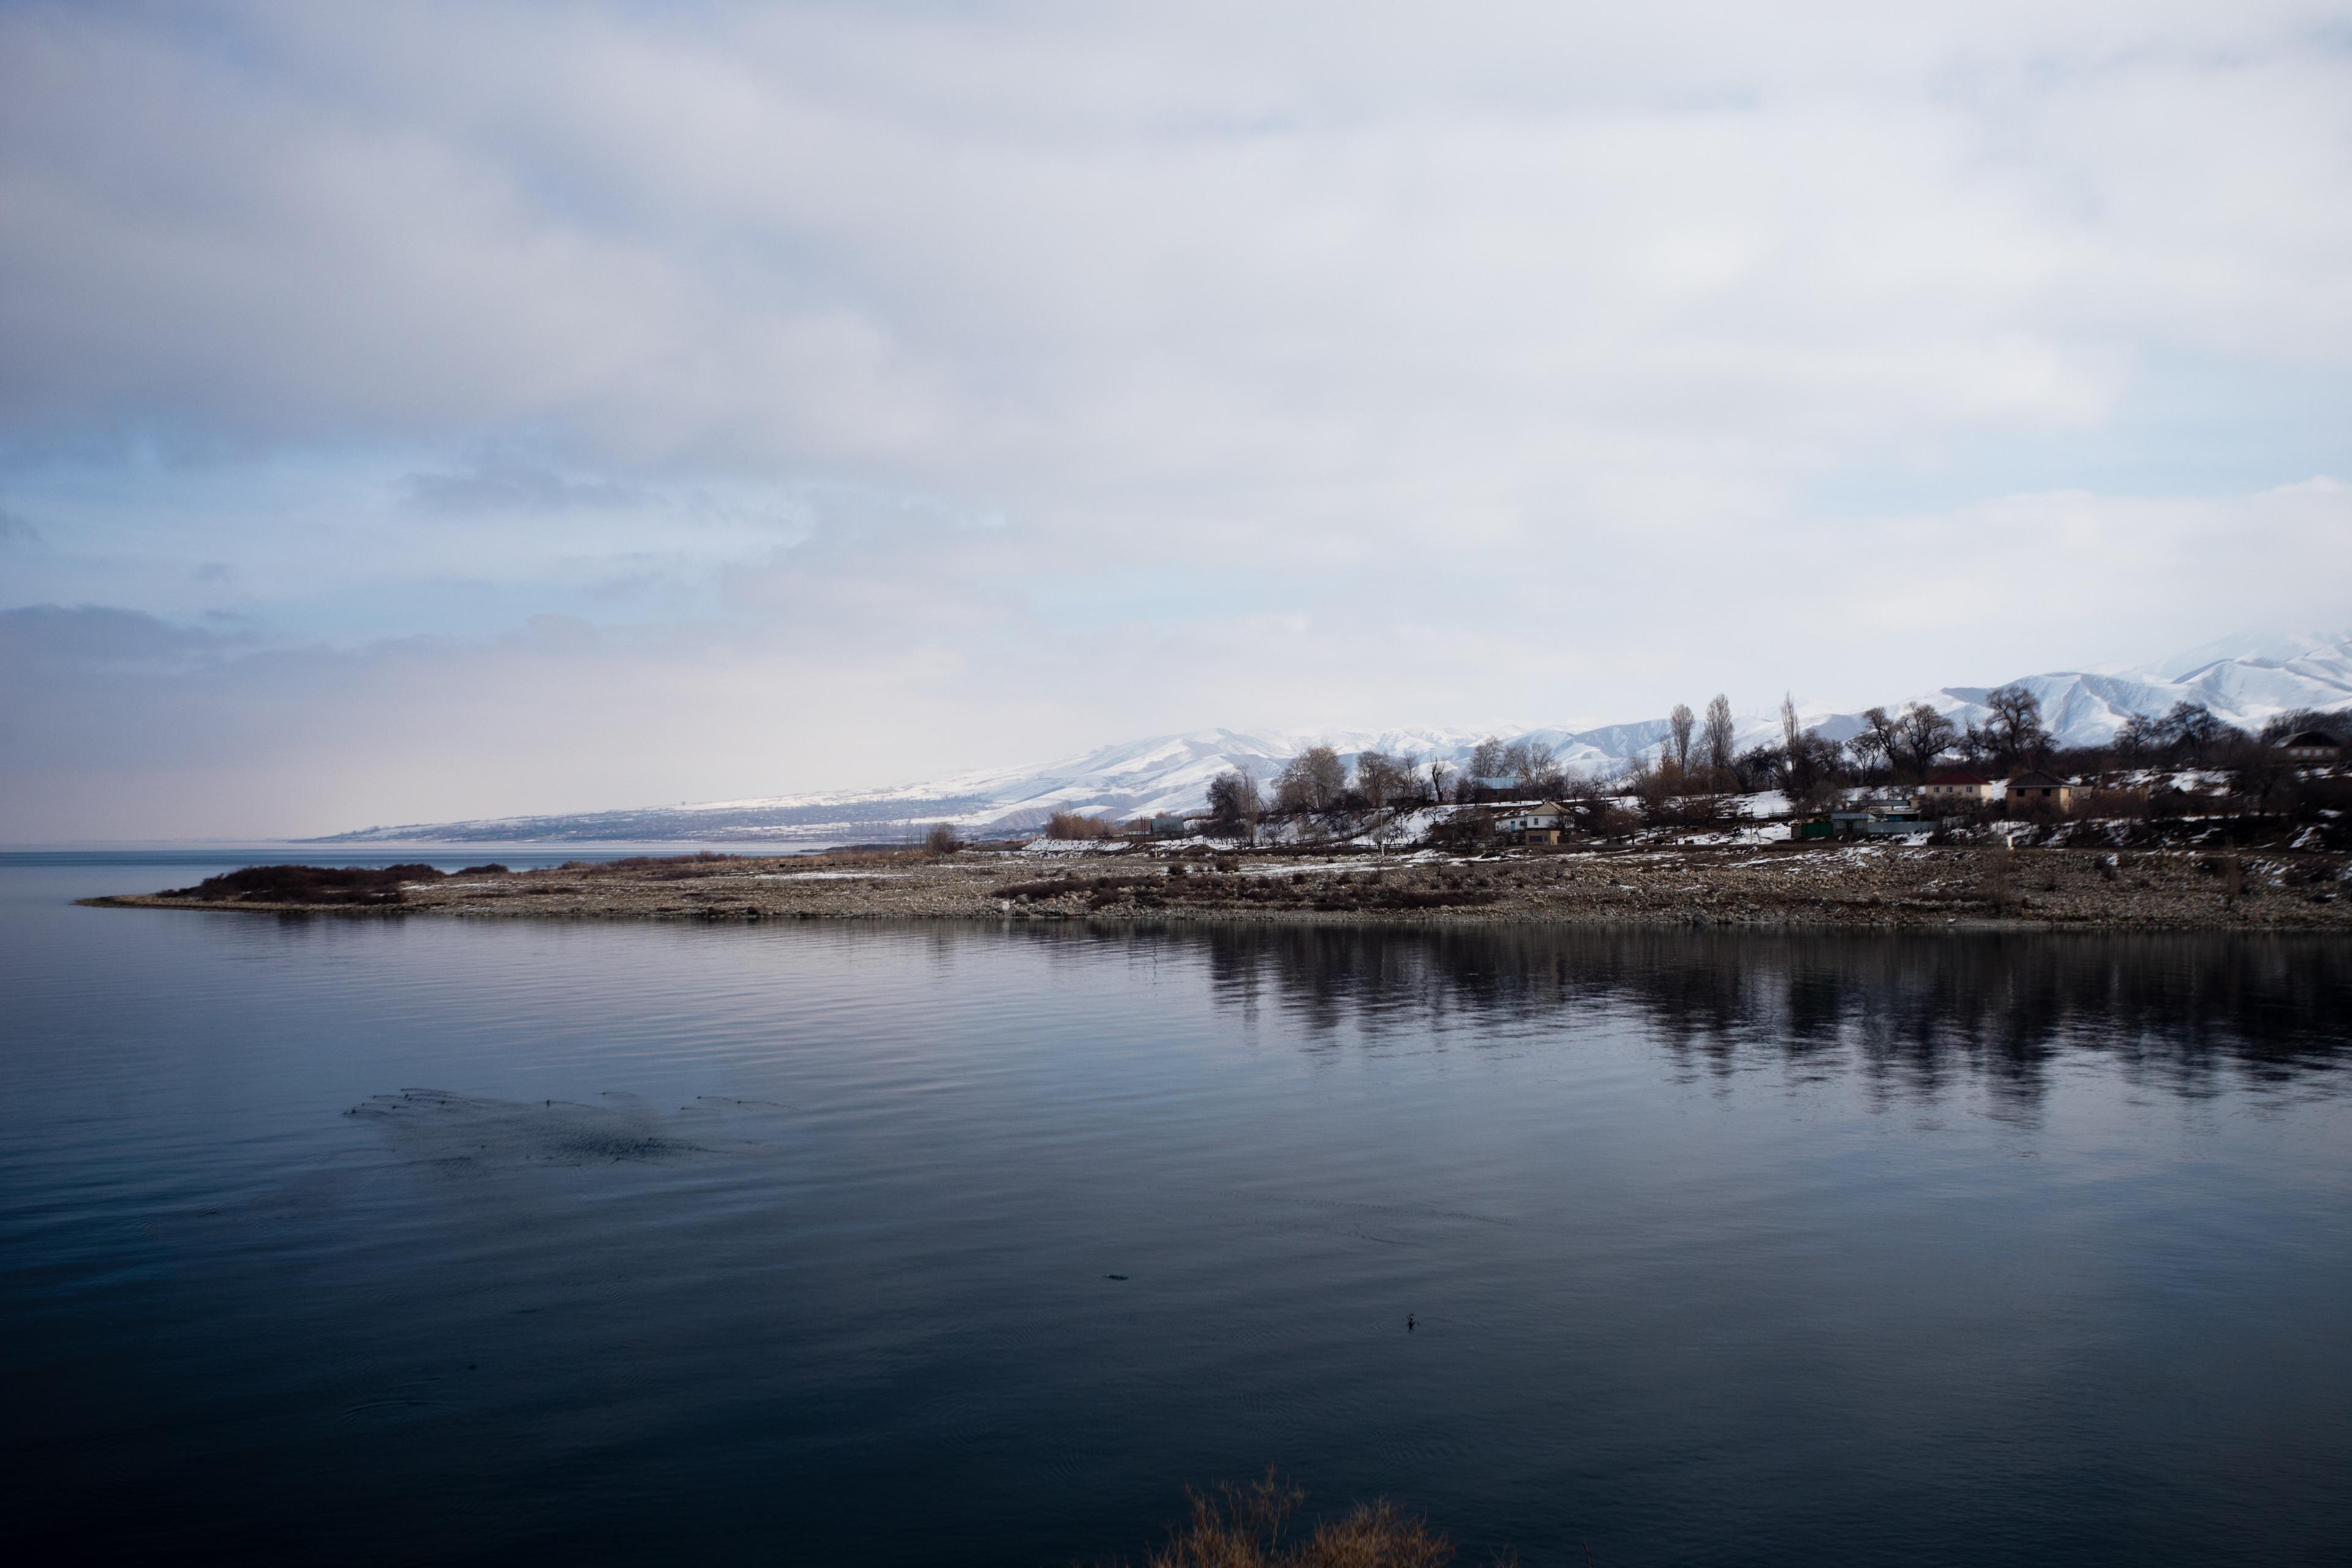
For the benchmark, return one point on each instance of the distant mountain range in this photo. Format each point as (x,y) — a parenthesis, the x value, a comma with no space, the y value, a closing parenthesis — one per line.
(2244,683)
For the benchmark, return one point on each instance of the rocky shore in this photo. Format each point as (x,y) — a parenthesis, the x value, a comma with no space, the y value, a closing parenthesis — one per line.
(1875,886)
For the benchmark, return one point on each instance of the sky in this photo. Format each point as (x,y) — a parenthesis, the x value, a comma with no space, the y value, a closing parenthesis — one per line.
(436,411)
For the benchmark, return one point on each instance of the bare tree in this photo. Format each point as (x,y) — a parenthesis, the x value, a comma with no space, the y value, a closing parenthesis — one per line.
(1311,780)
(1380,779)
(1920,735)
(1809,759)
(1533,768)
(1679,724)
(2279,726)
(1439,771)
(1294,792)
(1330,774)
(2016,723)
(1485,765)
(1759,766)
(2138,735)
(2192,730)
(1879,741)
(1235,804)
(1869,749)
(1720,739)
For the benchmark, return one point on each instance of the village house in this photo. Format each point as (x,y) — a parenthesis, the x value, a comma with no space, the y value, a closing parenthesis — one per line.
(2310,746)
(2039,792)
(1955,787)
(1884,819)
(1542,824)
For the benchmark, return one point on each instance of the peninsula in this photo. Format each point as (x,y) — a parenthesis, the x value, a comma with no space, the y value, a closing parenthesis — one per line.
(1825,884)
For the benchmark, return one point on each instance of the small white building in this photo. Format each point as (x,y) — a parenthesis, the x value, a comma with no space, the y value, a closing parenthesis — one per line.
(1957,787)
(1541,824)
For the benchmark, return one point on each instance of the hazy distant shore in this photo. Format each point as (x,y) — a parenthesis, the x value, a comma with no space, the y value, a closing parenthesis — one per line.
(1874,887)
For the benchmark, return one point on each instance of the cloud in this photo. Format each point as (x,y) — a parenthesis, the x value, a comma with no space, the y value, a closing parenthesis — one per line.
(1087,371)
(908,648)
(15,530)
(48,634)
(513,486)
(951,248)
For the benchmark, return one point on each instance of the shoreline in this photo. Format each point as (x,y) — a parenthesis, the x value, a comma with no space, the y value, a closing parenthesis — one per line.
(1817,887)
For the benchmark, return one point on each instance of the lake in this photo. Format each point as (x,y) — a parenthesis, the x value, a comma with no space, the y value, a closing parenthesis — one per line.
(387,1241)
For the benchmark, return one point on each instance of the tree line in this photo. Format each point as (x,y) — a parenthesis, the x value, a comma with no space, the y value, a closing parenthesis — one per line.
(1699,762)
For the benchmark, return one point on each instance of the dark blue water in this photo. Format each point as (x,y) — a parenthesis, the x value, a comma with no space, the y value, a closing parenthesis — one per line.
(797,1243)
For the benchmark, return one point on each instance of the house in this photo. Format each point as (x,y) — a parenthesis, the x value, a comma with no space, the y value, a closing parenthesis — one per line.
(1955,787)
(1864,819)
(2039,792)
(1891,819)
(2310,746)
(1542,824)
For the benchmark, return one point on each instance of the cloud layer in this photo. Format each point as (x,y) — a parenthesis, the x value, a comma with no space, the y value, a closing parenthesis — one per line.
(953,385)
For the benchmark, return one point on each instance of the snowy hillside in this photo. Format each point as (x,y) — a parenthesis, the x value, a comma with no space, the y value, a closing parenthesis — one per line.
(1171,772)
(2244,688)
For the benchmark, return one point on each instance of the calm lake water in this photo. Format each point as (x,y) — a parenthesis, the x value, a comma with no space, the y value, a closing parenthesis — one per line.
(386,1242)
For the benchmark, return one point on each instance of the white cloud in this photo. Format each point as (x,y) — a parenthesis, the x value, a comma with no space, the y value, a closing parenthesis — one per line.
(1253,364)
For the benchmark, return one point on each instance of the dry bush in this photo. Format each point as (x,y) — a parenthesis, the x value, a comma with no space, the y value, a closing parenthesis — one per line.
(307,885)
(1993,884)
(697,864)
(2105,804)
(1250,1527)
(941,839)
(1074,824)
(1097,888)
(855,859)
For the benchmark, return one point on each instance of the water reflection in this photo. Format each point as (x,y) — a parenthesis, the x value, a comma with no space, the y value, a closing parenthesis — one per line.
(2189,1012)
(724,1243)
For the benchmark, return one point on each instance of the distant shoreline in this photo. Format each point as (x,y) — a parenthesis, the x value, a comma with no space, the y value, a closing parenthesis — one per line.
(1873,887)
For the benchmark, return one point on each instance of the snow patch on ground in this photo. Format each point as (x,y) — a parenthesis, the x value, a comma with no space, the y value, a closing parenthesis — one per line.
(1061,847)
(820,876)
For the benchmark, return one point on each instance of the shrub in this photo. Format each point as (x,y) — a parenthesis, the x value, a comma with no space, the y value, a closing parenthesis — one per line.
(644,862)
(1072,825)
(1250,1527)
(941,839)
(307,885)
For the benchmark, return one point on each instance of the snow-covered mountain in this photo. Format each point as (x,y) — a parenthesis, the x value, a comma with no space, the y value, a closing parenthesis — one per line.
(2244,683)
(2242,686)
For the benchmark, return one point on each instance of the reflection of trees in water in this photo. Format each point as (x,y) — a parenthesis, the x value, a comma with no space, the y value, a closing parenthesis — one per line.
(1912,1012)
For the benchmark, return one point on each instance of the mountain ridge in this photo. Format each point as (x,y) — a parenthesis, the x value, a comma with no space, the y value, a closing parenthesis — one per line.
(1171,772)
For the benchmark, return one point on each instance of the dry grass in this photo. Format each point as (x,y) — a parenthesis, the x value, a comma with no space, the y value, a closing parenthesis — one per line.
(1251,1527)
(704,863)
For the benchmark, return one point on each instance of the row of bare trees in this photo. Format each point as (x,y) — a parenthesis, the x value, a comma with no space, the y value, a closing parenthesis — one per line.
(1715,741)
(1317,781)
(1700,762)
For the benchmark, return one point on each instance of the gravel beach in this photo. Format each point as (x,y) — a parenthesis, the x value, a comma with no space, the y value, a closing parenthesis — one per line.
(1881,886)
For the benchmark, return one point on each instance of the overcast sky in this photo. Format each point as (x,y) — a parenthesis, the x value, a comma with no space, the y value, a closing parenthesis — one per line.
(428,411)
